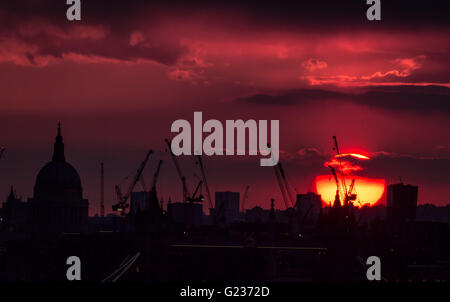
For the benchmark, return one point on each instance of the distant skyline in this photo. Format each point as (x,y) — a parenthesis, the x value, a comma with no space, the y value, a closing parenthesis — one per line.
(117,80)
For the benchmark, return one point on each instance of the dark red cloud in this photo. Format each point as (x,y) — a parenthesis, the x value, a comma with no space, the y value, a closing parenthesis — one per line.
(418,99)
(234,38)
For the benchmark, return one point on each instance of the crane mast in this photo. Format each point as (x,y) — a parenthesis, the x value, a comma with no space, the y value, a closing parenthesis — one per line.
(193,198)
(156,175)
(202,168)
(180,173)
(352,185)
(348,195)
(286,184)
(333,171)
(244,198)
(336,148)
(282,188)
(122,203)
(144,186)
(102,191)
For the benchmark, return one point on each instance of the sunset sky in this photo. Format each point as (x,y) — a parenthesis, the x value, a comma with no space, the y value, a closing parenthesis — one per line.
(118,79)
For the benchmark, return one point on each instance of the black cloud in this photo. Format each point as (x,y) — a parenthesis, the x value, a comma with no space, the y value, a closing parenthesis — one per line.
(420,99)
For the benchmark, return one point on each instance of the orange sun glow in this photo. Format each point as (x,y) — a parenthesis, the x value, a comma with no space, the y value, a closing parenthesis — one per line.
(368,190)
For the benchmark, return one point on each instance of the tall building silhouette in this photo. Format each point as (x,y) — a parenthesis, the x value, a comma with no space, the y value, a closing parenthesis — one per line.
(58,205)
(226,205)
(401,203)
(309,206)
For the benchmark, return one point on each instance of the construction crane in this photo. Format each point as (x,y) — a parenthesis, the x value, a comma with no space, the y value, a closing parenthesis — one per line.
(144,186)
(333,171)
(284,186)
(352,185)
(336,148)
(282,189)
(122,205)
(348,195)
(194,197)
(102,191)
(202,169)
(156,175)
(180,173)
(244,198)
(186,196)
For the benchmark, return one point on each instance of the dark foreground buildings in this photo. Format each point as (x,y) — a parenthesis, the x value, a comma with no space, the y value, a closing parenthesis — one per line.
(305,243)
(226,206)
(309,206)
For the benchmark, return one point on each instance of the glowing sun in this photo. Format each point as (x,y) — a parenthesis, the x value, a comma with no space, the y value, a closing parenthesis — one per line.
(368,190)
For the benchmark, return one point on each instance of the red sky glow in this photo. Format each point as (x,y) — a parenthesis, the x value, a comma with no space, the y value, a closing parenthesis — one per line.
(118,79)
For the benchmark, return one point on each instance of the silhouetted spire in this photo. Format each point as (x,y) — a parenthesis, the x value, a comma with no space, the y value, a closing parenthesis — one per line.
(58,149)
(12,195)
(337,200)
(272,211)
